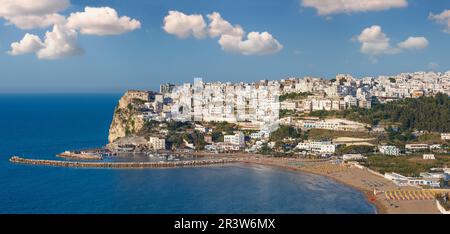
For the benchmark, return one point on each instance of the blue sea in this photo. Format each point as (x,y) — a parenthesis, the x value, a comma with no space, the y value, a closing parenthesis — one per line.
(42,125)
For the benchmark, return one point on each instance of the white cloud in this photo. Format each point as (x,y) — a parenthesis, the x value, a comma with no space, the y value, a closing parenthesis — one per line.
(101,21)
(32,7)
(374,42)
(442,18)
(414,43)
(27,14)
(183,26)
(218,26)
(60,42)
(232,38)
(29,44)
(328,7)
(36,21)
(255,44)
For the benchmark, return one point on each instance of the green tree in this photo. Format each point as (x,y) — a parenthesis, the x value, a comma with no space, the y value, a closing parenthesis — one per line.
(283,132)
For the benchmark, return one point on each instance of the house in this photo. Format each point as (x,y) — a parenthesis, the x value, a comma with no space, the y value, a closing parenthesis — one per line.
(433,182)
(389,150)
(236,139)
(323,147)
(436,175)
(257,135)
(157,143)
(222,146)
(445,136)
(429,157)
(200,128)
(416,147)
(401,180)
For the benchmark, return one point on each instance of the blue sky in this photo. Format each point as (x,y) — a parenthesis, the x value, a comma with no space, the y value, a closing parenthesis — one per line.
(312,44)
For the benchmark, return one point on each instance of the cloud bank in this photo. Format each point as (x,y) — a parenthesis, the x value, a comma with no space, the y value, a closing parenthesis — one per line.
(62,40)
(329,7)
(232,38)
(101,21)
(255,44)
(218,26)
(29,44)
(28,14)
(184,26)
(414,43)
(375,42)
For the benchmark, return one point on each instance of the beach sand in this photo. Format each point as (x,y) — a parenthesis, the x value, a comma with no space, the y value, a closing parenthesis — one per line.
(357,178)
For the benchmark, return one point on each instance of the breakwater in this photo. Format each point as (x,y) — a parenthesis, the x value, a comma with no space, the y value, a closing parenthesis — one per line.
(192,163)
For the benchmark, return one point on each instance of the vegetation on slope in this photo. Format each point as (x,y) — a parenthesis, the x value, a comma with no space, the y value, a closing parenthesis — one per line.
(424,113)
(294,96)
(406,165)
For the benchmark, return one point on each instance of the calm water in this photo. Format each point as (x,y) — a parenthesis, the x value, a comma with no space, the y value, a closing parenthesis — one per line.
(40,126)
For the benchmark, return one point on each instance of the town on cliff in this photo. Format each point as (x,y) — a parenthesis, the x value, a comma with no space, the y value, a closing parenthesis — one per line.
(375,134)
(368,121)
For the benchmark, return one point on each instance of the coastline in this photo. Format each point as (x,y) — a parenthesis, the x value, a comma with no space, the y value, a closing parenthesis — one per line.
(361,180)
(379,207)
(356,178)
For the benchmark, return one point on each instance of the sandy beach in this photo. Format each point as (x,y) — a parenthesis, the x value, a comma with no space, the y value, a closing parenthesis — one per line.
(359,179)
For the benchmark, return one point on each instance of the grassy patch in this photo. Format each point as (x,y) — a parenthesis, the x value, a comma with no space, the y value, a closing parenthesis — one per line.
(406,165)
(330,134)
(430,138)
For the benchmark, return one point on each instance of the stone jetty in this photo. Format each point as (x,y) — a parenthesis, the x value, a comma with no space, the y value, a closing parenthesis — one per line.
(191,163)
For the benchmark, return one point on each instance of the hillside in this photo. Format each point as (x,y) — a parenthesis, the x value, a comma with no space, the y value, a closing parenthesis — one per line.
(424,113)
(125,120)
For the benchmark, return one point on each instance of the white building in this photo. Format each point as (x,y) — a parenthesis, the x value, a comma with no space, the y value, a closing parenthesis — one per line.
(429,157)
(201,128)
(389,150)
(236,139)
(445,136)
(416,147)
(350,101)
(334,124)
(288,105)
(323,147)
(401,180)
(157,143)
(222,146)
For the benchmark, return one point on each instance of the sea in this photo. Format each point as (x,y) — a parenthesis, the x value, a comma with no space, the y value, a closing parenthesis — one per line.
(41,125)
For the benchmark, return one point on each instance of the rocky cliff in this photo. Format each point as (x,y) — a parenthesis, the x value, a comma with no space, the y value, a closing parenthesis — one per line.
(126,120)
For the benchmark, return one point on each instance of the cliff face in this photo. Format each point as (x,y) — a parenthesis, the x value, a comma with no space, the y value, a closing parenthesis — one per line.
(126,121)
